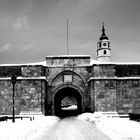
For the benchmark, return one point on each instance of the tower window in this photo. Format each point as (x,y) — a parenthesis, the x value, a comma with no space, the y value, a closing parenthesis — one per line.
(104,51)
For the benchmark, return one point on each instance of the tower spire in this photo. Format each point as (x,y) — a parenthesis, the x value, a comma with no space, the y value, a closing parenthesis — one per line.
(103,48)
(103,30)
(103,36)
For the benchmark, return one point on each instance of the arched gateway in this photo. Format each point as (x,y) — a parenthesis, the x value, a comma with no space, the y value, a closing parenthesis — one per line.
(67,85)
(62,100)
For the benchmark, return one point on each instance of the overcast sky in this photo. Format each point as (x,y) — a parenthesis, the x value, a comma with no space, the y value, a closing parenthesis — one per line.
(33,29)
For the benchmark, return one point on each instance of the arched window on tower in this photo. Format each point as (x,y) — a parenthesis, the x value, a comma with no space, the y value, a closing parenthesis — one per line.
(104,51)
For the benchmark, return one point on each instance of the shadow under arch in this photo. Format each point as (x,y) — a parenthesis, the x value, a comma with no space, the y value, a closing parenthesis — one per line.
(67,91)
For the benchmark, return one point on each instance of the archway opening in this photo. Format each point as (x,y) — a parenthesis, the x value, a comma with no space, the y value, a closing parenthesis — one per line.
(67,102)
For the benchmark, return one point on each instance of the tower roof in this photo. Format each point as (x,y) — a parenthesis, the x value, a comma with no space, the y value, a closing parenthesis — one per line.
(103,36)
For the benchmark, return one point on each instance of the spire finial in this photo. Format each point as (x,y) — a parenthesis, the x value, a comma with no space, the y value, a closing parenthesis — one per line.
(103,30)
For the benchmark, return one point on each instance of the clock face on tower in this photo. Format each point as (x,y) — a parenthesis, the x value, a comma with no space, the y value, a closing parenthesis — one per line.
(104,44)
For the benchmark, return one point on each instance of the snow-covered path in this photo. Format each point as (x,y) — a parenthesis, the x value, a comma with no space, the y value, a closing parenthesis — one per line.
(73,129)
(50,128)
(85,127)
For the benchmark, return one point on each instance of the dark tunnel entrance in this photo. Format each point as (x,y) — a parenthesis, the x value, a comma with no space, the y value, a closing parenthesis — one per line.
(67,102)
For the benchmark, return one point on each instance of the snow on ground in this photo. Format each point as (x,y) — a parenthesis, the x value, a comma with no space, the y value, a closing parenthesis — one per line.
(122,128)
(25,129)
(116,128)
(72,107)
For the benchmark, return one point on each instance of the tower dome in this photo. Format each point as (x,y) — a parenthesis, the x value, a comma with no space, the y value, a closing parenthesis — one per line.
(103,36)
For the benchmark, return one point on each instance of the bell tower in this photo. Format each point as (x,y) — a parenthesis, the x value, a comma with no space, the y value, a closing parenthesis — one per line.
(103,47)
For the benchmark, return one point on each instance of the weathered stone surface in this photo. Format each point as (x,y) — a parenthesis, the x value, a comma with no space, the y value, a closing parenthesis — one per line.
(77,68)
(105,95)
(29,96)
(126,70)
(128,99)
(8,71)
(67,60)
(103,71)
(57,78)
(76,80)
(102,87)
(6,97)
(33,71)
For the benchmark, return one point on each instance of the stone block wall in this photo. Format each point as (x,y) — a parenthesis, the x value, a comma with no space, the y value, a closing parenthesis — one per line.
(8,71)
(128,70)
(52,72)
(29,96)
(103,90)
(33,71)
(103,70)
(23,70)
(75,80)
(6,97)
(105,95)
(105,87)
(123,91)
(67,60)
(128,96)
(32,98)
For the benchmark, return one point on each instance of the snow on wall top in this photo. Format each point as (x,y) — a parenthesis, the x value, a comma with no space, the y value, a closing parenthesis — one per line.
(67,56)
(43,63)
(91,61)
(115,63)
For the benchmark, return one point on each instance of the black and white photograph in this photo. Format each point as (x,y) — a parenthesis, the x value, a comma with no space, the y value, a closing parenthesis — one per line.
(69,69)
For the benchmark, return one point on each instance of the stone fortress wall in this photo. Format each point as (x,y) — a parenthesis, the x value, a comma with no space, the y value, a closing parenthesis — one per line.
(29,89)
(105,87)
(116,87)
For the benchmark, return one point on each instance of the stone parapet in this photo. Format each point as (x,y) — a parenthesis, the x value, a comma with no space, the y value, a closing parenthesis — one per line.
(8,71)
(103,70)
(33,71)
(67,60)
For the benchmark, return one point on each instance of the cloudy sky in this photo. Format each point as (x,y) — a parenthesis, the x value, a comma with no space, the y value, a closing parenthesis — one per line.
(33,29)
